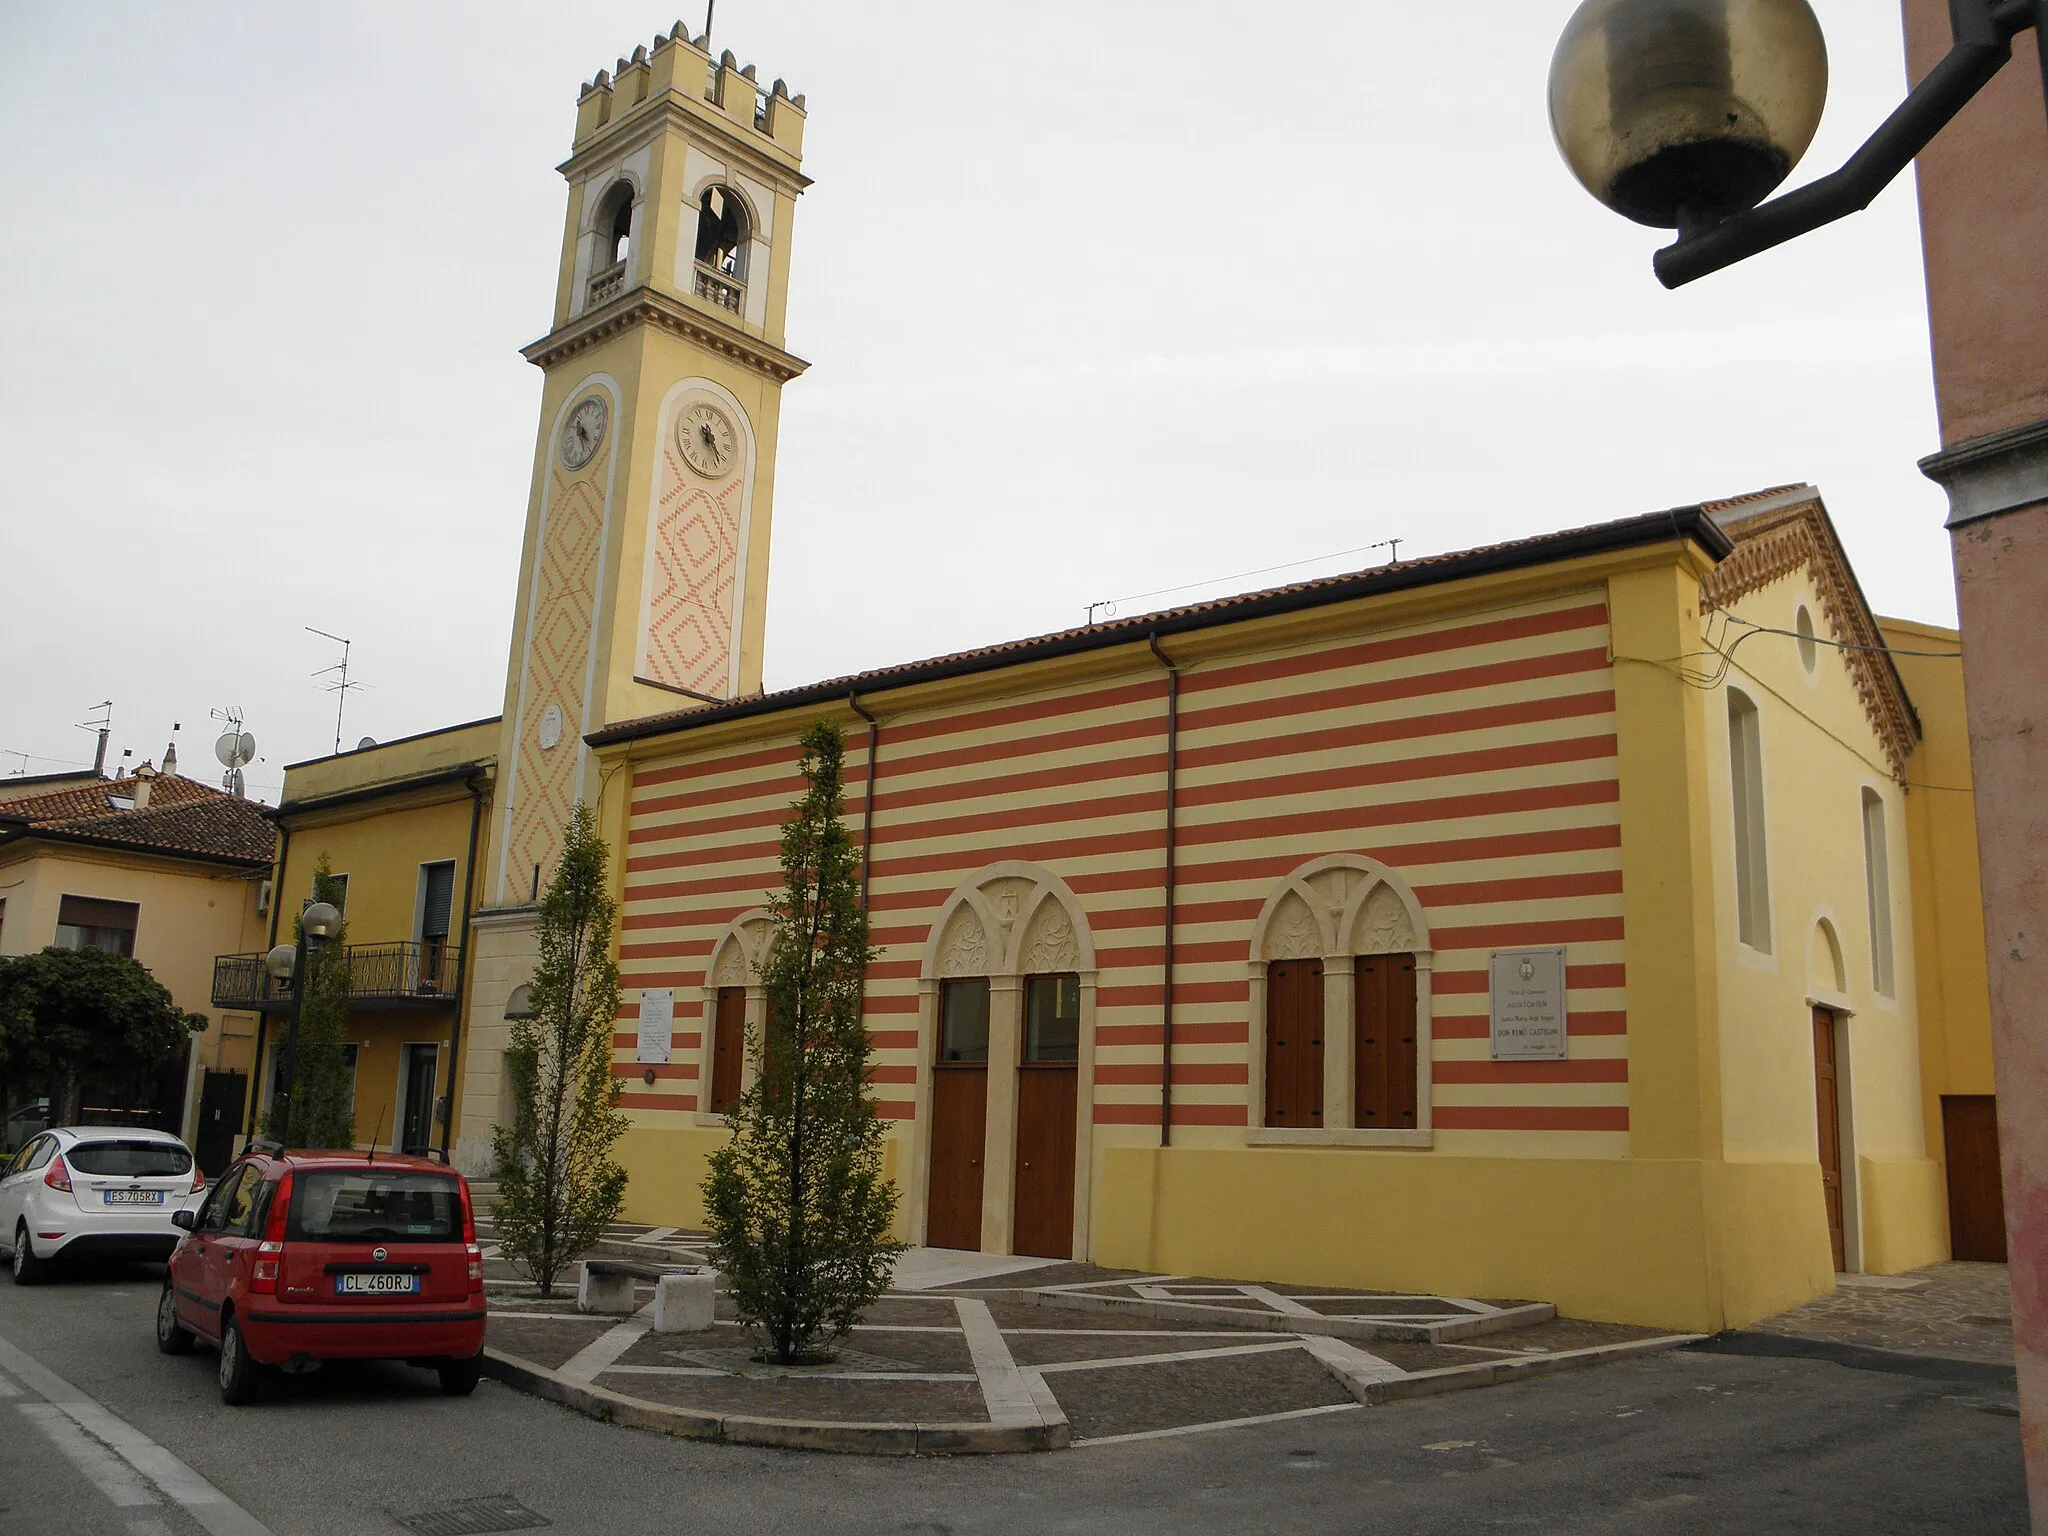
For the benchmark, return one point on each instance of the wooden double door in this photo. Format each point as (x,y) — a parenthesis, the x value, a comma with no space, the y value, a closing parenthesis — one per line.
(1046,1118)
(1828,1115)
(1976,1195)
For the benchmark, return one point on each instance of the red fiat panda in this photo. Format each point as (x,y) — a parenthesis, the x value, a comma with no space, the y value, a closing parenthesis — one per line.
(299,1257)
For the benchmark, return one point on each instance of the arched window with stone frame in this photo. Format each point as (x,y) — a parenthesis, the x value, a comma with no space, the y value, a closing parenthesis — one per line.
(735,1005)
(1340,1040)
(1006,1066)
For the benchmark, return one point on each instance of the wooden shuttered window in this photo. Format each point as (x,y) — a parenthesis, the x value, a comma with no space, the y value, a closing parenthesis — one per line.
(437,899)
(1384,1042)
(1294,1044)
(84,922)
(728,1048)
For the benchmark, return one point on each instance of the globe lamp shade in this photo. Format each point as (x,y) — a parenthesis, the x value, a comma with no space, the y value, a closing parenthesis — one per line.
(1682,112)
(320,921)
(279,962)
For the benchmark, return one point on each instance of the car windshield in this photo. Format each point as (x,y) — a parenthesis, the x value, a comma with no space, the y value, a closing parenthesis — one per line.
(374,1205)
(129,1159)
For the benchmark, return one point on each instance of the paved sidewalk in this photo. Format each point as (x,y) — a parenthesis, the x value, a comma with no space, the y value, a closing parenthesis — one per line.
(974,1351)
(1953,1311)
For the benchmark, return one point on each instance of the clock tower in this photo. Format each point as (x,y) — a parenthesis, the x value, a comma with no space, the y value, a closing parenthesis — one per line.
(644,574)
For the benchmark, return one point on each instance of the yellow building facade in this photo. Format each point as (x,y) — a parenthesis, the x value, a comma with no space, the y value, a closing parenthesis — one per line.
(402,824)
(1557,920)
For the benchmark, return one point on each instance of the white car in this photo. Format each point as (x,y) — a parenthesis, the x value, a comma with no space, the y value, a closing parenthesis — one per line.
(94,1192)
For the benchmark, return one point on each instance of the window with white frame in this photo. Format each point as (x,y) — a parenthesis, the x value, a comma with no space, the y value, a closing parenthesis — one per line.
(1877,885)
(1746,776)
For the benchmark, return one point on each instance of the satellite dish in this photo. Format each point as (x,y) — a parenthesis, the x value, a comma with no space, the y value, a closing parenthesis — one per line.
(235,784)
(366,743)
(235,749)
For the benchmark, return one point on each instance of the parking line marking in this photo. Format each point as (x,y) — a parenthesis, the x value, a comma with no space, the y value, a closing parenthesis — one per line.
(1005,1390)
(100,1466)
(216,1513)
(1200,1429)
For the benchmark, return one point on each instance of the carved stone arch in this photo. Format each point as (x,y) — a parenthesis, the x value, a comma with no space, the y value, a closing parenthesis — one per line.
(1006,922)
(1335,909)
(1280,934)
(737,957)
(1008,900)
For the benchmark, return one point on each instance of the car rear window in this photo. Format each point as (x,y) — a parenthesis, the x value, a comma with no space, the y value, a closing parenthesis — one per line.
(129,1159)
(371,1205)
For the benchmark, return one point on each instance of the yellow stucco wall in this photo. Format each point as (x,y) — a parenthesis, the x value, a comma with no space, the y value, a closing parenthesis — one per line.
(189,913)
(1819,754)
(380,842)
(1941,824)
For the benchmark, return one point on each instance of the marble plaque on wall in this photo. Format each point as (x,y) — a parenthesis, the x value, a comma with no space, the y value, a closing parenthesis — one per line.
(657,1024)
(1526,1011)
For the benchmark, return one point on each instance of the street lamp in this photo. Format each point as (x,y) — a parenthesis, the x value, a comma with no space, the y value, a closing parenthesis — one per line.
(288,962)
(1686,114)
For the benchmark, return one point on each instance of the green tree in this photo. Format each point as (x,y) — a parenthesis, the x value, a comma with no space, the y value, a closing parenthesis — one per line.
(77,1018)
(322,1100)
(798,1209)
(557,1183)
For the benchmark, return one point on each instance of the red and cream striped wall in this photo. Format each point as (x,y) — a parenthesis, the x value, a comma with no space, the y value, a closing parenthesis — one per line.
(1474,755)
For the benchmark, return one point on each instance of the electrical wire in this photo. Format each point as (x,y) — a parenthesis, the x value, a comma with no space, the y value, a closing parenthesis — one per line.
(1265,570)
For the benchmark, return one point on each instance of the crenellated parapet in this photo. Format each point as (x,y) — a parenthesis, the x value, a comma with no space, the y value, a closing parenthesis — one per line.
(679,65)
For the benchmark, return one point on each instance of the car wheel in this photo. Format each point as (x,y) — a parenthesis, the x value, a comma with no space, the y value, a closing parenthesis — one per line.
(28,1269)
(172,1337)
(459,1377)
(240,1376)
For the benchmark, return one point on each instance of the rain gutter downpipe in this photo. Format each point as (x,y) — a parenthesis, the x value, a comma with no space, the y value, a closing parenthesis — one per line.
(867,799)
(476,817)
(1172,785)
(284,848)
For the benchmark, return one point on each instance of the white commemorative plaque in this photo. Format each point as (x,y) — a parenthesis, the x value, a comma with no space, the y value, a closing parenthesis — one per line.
(657,1024)
(1527,1013)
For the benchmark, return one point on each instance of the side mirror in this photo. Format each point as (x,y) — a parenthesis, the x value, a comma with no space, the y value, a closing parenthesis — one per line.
(185,1220)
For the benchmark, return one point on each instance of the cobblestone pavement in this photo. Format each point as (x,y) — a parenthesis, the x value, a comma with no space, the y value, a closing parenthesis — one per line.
(1953,1311)
(1123,1354)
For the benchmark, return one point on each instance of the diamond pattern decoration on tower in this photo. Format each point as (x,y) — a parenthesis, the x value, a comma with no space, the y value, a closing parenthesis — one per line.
(693,559)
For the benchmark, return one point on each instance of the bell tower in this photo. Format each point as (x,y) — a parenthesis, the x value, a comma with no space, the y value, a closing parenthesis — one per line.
(644,575)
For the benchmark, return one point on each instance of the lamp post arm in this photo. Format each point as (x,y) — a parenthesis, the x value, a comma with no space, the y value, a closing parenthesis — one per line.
(1983,46)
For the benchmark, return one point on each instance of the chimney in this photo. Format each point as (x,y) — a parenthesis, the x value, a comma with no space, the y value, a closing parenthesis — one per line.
(171,758)
(144,777)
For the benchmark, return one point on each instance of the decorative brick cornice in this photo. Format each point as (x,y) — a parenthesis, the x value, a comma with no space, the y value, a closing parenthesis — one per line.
(1787,533)
(647,306)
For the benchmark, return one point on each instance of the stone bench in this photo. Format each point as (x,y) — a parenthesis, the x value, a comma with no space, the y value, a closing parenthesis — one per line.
(682,1294)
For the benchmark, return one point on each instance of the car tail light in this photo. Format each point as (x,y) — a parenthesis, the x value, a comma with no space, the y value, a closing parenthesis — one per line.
(198,1179)
(470,1245)
(270,1252)
(59,1176)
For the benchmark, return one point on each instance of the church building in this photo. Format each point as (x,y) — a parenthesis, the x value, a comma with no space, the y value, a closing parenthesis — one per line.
(1543,920)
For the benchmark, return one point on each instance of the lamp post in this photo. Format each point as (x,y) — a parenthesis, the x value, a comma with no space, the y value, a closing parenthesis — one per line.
(1687,114)
(288,962)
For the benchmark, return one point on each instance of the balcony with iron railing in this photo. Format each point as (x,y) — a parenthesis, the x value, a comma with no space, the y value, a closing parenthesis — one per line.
(415,975)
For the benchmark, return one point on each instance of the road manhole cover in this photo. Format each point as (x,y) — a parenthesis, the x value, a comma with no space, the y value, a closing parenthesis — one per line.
(473,1517)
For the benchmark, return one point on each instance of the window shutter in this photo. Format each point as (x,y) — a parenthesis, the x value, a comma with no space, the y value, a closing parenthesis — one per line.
(440,899)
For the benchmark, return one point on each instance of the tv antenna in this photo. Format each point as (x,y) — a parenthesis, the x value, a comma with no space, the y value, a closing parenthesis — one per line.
(341,685)
(104,724)
(235,750)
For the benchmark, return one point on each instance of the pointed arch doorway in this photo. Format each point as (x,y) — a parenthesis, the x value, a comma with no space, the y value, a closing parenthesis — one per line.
(1005,1078)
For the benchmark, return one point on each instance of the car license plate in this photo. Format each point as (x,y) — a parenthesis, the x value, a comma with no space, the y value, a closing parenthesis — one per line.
(135,1197)
(375,1285)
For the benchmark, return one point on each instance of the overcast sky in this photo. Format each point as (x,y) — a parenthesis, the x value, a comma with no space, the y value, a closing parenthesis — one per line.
(1099,299)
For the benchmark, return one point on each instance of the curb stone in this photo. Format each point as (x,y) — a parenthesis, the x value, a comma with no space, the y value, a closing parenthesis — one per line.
(1857,1357)
(1461,1378)
(911,1439)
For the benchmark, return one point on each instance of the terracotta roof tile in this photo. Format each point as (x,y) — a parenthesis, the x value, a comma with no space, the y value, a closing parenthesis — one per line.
(185,818)
(166,789)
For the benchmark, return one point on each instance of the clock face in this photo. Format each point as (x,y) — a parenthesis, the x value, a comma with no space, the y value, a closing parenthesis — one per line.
(583,432)
(708,440)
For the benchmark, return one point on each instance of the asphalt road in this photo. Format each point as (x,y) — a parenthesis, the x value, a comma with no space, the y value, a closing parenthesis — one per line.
(1672,1443)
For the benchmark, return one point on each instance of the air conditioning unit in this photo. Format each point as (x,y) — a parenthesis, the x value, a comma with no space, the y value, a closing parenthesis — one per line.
(263,899)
